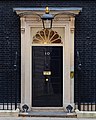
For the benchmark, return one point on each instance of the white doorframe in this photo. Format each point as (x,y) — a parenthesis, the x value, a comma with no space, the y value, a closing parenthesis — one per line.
(30,22)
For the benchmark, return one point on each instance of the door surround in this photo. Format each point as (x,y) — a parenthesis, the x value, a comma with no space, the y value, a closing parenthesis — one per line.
(30,22)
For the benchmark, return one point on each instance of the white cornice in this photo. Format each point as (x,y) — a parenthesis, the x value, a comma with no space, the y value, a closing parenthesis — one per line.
(53,10)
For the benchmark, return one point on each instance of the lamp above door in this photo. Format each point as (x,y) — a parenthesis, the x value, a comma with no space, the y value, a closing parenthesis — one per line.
(47,19)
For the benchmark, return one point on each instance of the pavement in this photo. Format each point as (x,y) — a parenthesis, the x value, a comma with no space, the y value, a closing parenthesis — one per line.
(43,118)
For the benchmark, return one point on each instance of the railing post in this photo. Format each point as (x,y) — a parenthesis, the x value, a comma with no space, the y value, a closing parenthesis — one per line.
(79,75)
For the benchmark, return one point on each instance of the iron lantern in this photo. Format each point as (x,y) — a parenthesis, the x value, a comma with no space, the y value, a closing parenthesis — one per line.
(47,19)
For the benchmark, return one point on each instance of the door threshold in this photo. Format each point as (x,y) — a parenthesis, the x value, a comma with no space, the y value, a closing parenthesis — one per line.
(47,109)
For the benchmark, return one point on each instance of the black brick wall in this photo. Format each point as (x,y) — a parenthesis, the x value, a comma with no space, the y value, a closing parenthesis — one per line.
(85,44)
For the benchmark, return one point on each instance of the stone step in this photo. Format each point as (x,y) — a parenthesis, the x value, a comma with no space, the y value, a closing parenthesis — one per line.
(48,114)
(47,109)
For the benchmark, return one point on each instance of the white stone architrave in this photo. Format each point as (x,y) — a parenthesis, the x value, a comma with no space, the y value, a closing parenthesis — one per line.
(64,25)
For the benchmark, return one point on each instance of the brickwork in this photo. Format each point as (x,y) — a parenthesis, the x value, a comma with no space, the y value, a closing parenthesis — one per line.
(85,44)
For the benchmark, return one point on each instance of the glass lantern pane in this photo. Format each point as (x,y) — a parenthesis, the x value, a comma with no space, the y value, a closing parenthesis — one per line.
(47,23)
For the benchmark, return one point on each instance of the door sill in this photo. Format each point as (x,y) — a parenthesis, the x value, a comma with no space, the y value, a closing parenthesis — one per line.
(47,109)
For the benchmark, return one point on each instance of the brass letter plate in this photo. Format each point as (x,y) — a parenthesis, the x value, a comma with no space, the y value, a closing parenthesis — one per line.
(46,72)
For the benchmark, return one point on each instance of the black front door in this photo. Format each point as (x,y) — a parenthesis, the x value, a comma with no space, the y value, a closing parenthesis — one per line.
(47,76)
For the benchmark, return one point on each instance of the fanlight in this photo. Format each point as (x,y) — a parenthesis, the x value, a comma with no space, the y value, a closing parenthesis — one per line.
(46,36)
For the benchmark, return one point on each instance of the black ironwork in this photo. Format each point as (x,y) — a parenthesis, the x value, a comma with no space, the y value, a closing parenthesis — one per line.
(79,78)
(69,108)
(9,82)
(25,108)
(47,17)
(81,102)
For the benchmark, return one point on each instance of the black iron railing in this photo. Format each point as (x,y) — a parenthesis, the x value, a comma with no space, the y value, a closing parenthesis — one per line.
(9,83)
(85,93)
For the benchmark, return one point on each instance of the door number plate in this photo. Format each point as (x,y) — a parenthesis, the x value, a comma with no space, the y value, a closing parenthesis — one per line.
(46,72)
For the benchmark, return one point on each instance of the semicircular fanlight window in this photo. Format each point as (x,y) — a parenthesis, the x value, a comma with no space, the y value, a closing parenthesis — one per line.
(46,36)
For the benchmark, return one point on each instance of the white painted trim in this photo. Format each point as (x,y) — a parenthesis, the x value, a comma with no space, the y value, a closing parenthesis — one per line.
(51,8)
(63,22)
(47,44)
(54,10)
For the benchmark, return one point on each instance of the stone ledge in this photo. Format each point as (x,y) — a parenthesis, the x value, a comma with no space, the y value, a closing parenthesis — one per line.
(48,114)
(9,113)
(85,114)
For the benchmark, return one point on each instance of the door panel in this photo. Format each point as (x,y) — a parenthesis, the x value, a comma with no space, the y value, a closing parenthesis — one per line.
(47,89)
